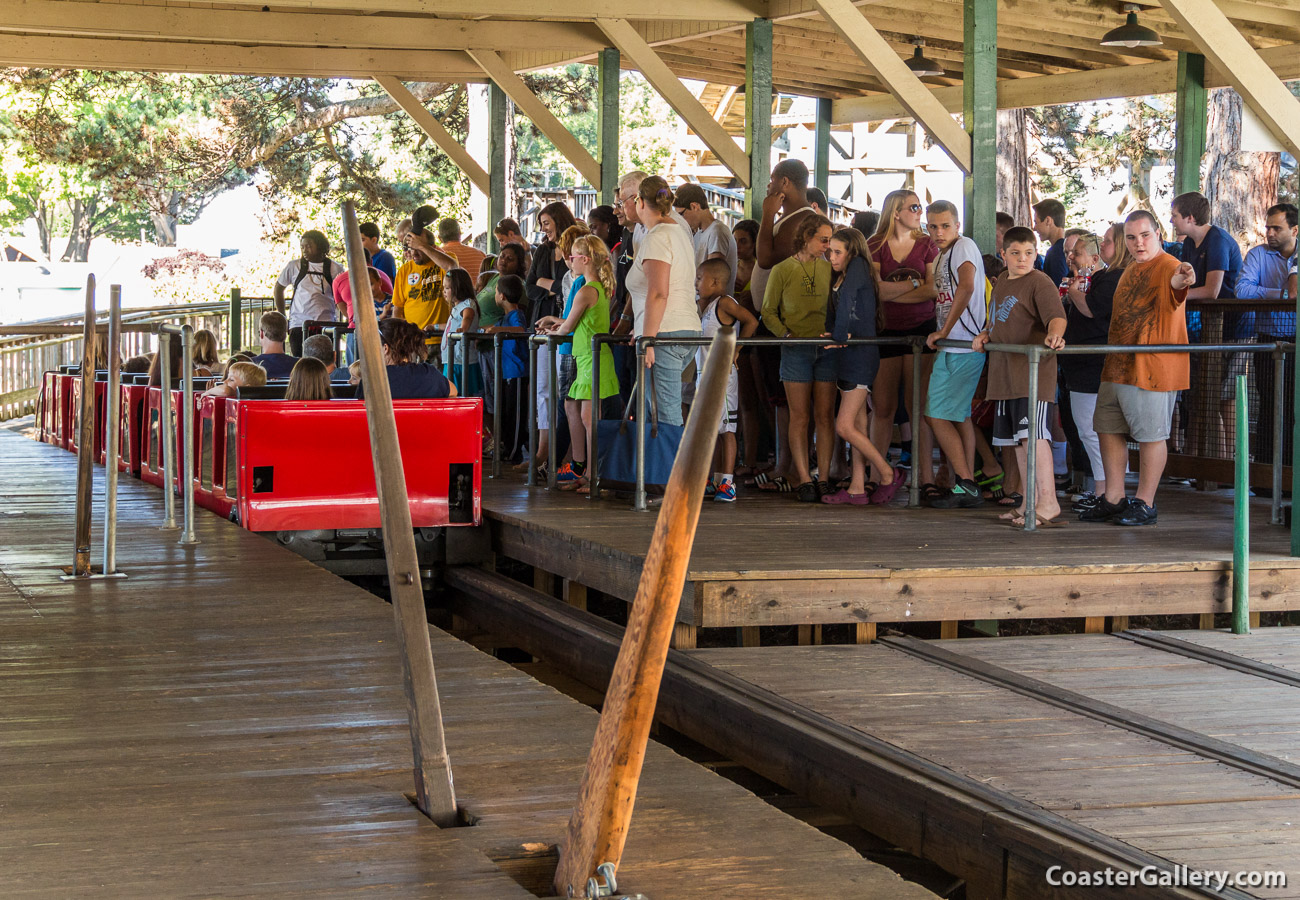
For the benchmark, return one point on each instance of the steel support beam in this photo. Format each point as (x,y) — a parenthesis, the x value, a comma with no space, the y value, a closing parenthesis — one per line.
(758,112)
(608,124)
(1191,113)
(980,114)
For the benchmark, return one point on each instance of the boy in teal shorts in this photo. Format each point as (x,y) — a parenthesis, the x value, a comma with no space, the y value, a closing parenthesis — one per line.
(961,312)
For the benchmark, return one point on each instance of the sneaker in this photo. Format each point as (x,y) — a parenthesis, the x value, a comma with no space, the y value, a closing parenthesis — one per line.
(725,492)
(1104,511)
(566,475)
(964,495)
(905,459)
(710,490)
(1085,502)
(1138,513)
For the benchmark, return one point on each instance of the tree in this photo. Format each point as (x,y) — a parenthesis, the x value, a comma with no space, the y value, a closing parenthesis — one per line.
(1240,186)
(1013,164)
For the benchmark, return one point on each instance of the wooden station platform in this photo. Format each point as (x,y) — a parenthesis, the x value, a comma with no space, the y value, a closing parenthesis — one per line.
(229,721)
(769,560)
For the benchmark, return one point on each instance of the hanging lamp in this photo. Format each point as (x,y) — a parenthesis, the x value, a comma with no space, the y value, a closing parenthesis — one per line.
(919,65)
(1131,34)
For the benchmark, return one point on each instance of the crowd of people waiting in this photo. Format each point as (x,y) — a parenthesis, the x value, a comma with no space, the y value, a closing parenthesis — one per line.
(815,419)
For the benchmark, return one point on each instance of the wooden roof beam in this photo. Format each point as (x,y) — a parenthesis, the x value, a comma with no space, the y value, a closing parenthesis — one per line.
(532,106)
(556,10)
(909,90)
(656,71)
(1239,62)
(226,59)
(70,18)
(1074,87)
(433,128)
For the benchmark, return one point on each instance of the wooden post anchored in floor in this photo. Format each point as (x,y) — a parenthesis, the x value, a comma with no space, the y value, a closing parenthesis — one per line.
(947,630)
(433,785)
(685,636)
(1094,625)
(544,581)
(1118,623)
(749,636)
(598,828)
(865,632)
(85,440)
(1205,622)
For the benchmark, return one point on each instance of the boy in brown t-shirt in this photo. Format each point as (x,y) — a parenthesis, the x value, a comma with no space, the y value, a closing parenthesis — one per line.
(1026,310)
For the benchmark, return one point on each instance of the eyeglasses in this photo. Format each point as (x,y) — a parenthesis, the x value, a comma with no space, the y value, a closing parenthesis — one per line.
(915,207)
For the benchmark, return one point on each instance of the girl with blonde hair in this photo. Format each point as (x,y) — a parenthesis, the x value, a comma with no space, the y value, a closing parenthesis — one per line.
(206,353)
(588,315)
(903,258)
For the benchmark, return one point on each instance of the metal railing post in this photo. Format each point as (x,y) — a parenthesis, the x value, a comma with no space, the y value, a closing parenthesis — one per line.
(235,332)
(1279,407)
(1031,450)
(112,427)
(639,498)
(1241,518)
(532,412)
(917,420)
(593,474)
(85,441)
(186,481)
(167,429)
(497,385)
(553,394)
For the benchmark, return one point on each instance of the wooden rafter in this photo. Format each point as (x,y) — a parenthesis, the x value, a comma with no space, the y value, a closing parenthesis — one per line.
(433,128)
(532,106)
(914,96)
(656,71)
(1233,55)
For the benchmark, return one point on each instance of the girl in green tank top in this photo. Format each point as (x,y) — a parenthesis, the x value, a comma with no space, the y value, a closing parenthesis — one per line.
(588,316)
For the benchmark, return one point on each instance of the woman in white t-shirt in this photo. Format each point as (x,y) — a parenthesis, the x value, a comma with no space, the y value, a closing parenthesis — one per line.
(661,286)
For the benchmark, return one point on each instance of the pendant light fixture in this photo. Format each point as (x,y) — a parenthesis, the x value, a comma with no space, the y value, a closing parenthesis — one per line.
(1131,34)
(919,65)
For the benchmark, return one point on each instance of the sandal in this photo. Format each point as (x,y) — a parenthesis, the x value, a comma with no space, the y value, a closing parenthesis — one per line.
(1019,522)
(931,491)
(807,492)
(887,492)
(1015,498)
(989,482)
(777,485)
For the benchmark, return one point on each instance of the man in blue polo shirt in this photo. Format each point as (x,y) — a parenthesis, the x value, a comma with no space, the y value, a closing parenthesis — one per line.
(1263,277)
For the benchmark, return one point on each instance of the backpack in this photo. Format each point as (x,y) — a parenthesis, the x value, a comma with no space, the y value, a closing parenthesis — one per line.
(304,269)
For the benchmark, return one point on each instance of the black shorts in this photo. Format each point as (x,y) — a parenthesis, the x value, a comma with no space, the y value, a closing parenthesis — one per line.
(1013,421)
(925,329)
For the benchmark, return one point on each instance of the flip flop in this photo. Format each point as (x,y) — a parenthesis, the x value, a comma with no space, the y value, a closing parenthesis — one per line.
(1009,516)
(1019,522)
(1015,498)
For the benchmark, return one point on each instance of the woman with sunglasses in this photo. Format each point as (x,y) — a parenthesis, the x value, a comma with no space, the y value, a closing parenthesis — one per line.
(903,257)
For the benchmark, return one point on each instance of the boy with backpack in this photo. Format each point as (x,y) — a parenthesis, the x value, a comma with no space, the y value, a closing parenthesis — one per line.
(962,312)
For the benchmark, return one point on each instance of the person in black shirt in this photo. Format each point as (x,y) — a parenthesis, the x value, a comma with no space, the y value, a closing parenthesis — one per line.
(1087,321)
(274,328)
(546,274)
(409,377)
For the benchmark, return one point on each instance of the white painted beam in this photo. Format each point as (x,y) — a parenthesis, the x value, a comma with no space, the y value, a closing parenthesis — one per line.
(677,95)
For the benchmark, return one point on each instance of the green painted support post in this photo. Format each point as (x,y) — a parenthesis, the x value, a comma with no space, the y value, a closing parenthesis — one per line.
(235,330)
(758,112)
(496,158)
(980,114)
(822,141)
(1191,113)
(1241,517)
(608,125)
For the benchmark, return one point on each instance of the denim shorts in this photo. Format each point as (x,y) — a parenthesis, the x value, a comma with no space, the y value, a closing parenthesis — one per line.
(803,363)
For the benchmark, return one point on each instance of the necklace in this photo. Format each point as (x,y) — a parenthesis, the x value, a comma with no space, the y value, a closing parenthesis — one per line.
(809,276)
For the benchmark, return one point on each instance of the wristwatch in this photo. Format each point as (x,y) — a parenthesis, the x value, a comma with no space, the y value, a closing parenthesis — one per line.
(915,284)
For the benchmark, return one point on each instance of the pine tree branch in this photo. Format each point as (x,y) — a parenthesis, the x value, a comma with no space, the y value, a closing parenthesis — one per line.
(334,113)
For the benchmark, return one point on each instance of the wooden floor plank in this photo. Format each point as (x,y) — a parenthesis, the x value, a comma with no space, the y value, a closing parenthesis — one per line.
(229,720)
